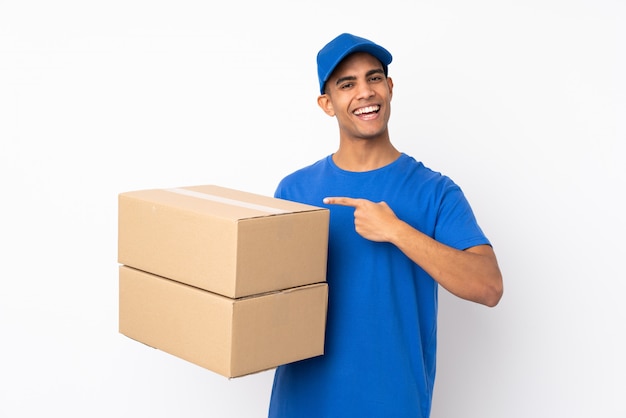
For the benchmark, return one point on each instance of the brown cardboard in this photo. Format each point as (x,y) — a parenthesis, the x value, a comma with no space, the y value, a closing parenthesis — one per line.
(222,240)
(232,337)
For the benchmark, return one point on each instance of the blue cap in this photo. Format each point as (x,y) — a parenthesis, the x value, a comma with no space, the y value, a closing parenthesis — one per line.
(343,45)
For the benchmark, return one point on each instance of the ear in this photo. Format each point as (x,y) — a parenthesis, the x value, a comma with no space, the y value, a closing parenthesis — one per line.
(326,104)
(390,84)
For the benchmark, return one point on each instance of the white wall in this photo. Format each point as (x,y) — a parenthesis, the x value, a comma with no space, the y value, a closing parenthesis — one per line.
(522,103)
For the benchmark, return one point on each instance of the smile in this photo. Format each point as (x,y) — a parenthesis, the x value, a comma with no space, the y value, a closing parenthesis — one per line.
(367,109)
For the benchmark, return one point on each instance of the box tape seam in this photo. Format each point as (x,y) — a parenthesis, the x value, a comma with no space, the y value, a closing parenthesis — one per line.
(227,201)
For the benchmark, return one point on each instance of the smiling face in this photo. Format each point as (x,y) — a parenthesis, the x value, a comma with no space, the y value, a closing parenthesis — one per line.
(359,95)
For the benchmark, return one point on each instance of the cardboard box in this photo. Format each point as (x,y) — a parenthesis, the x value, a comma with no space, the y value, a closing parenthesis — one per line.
(232,337)
(222,240)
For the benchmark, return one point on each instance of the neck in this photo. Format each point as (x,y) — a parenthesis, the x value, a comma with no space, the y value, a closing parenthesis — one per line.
(364,155)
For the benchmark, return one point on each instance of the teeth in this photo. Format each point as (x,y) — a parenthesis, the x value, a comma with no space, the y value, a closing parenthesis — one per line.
(368,109)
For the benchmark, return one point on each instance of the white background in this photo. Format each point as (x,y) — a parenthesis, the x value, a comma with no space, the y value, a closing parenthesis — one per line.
(523,104)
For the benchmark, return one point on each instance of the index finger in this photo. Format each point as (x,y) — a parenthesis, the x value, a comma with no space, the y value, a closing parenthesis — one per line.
(343,201)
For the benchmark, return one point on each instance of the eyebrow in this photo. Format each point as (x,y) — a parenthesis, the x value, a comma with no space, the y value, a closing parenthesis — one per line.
(352,78)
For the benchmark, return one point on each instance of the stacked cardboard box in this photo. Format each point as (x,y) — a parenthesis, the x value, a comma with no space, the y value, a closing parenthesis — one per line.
(232,281)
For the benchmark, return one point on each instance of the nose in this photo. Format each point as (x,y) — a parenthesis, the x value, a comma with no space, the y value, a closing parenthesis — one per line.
(365,91)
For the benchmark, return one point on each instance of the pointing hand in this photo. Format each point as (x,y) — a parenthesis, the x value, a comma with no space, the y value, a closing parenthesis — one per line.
(373,221)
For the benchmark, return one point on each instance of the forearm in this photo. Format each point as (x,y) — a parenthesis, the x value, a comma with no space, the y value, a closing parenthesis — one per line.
(472,274)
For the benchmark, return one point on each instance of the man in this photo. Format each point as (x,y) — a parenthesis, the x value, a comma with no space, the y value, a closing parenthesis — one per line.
(398,230)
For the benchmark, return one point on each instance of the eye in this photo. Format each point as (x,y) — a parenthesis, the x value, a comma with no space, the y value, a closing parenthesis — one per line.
(345,86)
